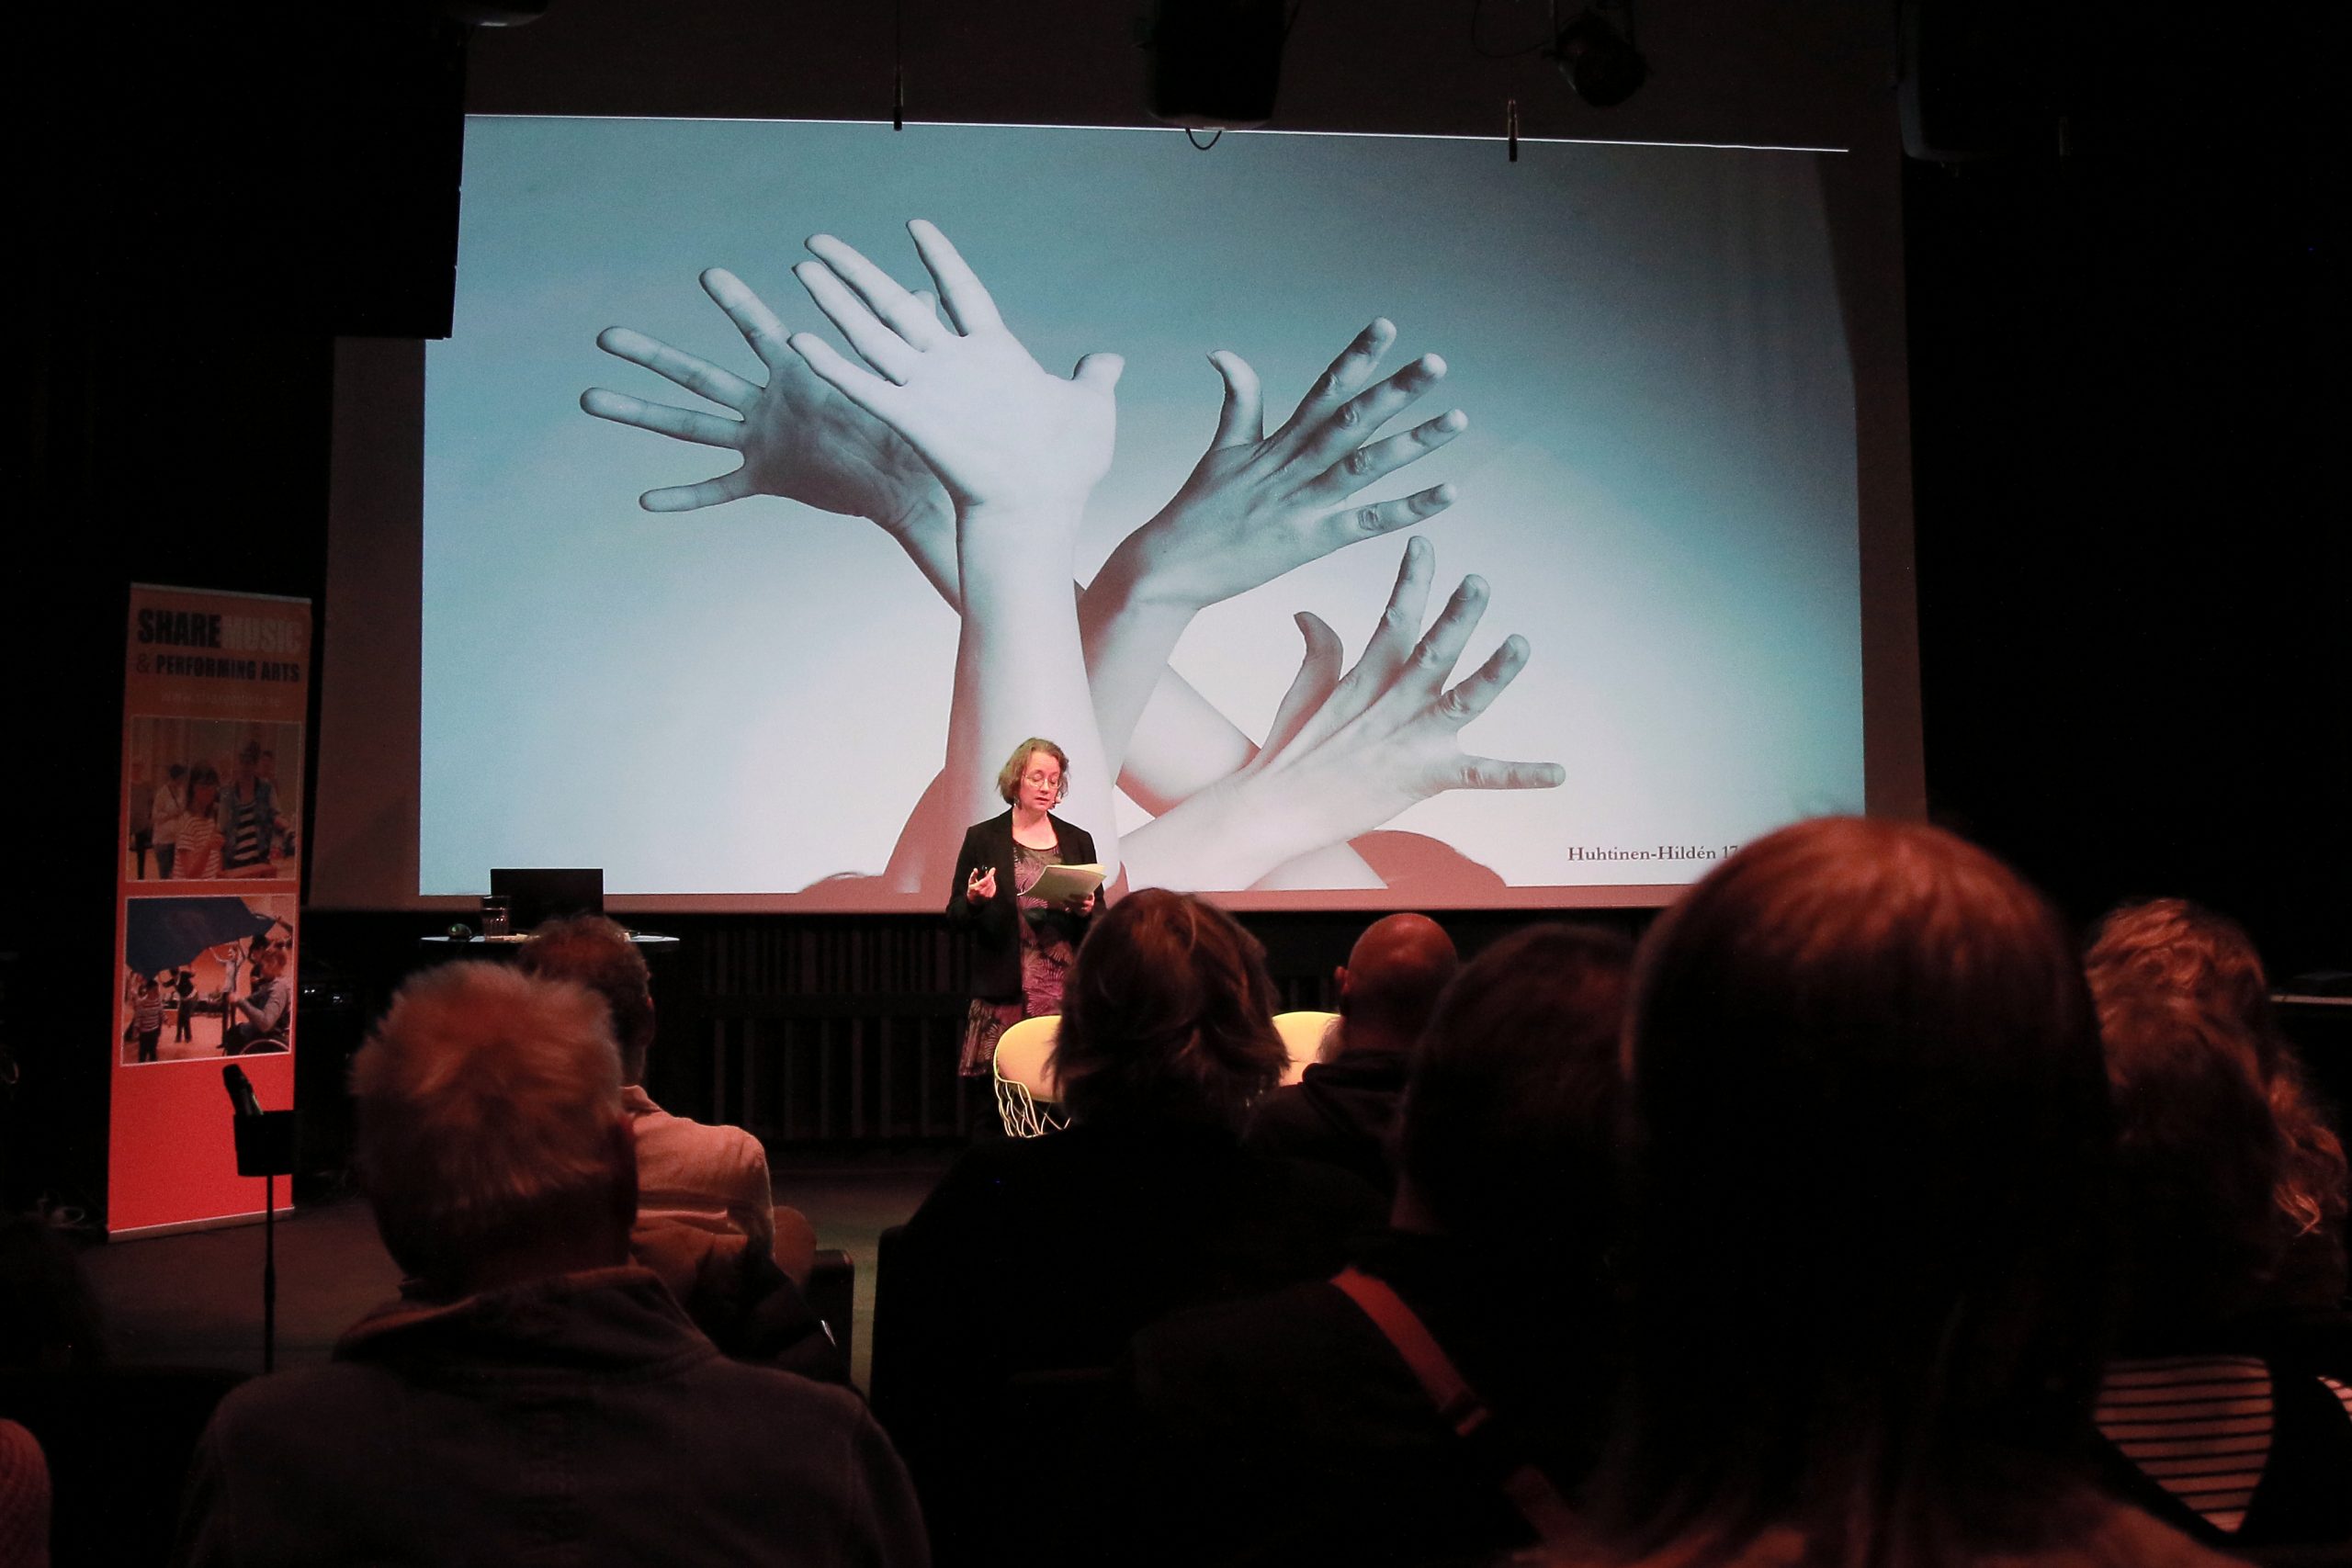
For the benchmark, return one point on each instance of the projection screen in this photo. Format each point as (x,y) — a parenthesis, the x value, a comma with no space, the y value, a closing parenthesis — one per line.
(742,703)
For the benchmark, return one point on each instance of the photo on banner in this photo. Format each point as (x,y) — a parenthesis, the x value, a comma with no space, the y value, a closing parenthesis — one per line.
(209,977)
(211,799)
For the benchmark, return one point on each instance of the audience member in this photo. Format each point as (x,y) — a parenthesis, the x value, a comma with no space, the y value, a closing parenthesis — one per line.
(113,1439)
(690,1174)
(1871,1148)
(2205,1427)
(24,1498)
(1291,1430)
(1047,1254)
(535,1397)
(705,1222)
(49,1317)
(2172,947)
(1341,1111)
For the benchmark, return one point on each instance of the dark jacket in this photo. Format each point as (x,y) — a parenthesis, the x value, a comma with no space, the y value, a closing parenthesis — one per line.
(995,926)
(579,1420)
(1320,1446)
(1042,1256)
(1337,1113)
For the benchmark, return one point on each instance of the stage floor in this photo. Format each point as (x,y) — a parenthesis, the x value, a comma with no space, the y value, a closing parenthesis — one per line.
(195,1299)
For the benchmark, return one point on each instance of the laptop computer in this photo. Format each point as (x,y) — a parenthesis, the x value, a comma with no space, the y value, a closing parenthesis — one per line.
(536,893)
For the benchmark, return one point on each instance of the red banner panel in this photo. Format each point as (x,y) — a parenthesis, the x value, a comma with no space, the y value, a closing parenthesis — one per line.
(209,876)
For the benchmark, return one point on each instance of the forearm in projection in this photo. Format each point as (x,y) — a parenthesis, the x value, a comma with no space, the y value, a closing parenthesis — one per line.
(1331,867)
(1021,670)
(1178,742)
(1212,842)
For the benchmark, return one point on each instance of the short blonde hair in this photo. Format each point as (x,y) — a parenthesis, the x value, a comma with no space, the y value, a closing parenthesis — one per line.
(1009,774)
(488,1103)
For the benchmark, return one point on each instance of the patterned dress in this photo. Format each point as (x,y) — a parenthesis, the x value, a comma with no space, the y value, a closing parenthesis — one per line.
(1045,956)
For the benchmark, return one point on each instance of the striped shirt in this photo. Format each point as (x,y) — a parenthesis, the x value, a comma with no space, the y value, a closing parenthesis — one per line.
(2199,1425)
(197,854)
(245,822)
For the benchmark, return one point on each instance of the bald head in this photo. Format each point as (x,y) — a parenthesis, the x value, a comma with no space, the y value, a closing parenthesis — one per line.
(1391,982)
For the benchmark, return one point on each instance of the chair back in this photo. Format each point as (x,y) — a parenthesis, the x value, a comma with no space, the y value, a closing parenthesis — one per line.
(1303,1036)
(894,1405)
(1024,1079)
(118,1440)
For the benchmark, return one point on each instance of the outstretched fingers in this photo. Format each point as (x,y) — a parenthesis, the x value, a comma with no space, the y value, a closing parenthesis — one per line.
(751,315)
(1352,422)
(1367,463)
(857,383)
(683,424)
(1391,643)
(890,356)
(709,493)
(1343,378)
(690,371)
(1476,691)
(1344,529)
(1474,696)
(904,312)
(1492,773)
(1434,656)
(960,289)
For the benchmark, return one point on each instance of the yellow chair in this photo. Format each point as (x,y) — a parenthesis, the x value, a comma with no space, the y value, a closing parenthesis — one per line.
(1303,1036)
(1026,1096)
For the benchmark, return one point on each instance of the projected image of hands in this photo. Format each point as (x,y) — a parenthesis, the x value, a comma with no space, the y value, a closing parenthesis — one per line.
(924,411)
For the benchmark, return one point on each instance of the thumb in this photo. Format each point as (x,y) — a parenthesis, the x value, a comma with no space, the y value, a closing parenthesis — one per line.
(1242,421)
(1100,371)
(1318,677)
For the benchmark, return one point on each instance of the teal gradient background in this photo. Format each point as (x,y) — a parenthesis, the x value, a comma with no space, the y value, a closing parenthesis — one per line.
(1659,479)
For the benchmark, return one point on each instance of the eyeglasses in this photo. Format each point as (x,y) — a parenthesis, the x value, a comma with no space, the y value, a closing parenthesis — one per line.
(1041,778)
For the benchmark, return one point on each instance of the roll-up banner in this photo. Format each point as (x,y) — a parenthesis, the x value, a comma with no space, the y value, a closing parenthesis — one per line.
(207,869)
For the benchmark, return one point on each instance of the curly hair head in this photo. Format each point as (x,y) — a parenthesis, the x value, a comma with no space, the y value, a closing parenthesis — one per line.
(2175,948)
(2171,947)
(2198,1156)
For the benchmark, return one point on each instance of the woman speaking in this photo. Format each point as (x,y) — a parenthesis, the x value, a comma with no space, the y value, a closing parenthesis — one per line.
(1022,945)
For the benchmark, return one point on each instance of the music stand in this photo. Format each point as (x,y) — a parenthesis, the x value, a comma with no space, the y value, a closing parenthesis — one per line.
(265,1148)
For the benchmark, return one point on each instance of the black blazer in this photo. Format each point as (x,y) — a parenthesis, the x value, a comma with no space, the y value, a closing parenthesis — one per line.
(995,925)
